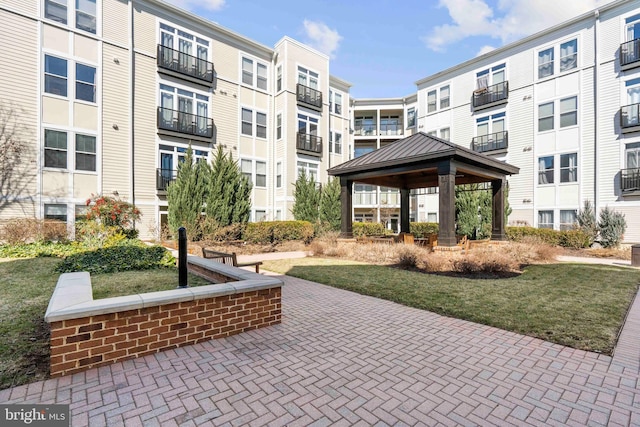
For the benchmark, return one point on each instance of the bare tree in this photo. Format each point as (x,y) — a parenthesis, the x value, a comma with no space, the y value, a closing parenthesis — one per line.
(15,144)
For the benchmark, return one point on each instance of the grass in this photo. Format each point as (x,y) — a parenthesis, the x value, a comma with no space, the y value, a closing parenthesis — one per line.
(25,290)
(578,305)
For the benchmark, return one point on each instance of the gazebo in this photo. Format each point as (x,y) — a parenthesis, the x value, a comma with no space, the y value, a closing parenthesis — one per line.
(423,161)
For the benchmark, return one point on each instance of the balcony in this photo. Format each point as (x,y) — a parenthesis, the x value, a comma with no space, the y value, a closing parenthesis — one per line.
(308,97)
(181,65)
(178,123)
(164,177)
(630,118)
(309,144)
(365,130)
(365,198)
(492,142)
(489,96)
(630,180)
(630,54)
(391,129)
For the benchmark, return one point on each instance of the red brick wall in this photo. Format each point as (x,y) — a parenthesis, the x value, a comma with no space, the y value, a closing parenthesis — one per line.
(88,342)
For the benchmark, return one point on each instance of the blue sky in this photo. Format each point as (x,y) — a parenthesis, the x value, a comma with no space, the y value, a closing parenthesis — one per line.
(383,46)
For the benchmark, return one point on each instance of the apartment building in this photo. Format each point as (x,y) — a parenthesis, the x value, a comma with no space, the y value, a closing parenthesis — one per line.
(111,93)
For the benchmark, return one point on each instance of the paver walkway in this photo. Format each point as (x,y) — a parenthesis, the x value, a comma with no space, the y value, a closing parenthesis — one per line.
(342,358)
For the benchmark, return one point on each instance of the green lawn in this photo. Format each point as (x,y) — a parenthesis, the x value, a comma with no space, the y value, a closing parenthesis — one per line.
(578,305)
(26,286)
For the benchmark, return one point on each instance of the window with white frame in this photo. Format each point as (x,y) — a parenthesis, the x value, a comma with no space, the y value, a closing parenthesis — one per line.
(248,118)
(247,121)
(545,170)
(631,114)
(279,175)
(279,78)
(569,111)
(246,168)
(432,217)
(262,76)
(187,46)
(85,153)
(411,117)
(310,169)
(84,17)
(254,73)
(247,71)
(337,103)
(261,174)
(444,97)
(56,211)
(260,215)
(278,216)
(184,109)
(255,171)
(432,101)
(307,125)
(55,75)
(432,133)
(545,219)
(279,126)
(171,156)
(445,133)
(545,117)
(490,76)
(55,149)
(568,55)
(307,78)
(390,125)
(261,125)
(632,28)
(632,155)
(335,142)
(569,167)
(545,64)
(568,219)
(85,83)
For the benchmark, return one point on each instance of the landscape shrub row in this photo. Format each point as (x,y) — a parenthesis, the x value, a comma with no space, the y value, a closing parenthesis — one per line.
(269,232)
(423,229)
(363,229)
(575,239)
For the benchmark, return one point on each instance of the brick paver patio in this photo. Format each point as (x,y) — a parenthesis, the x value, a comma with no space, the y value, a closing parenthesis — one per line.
(346,359)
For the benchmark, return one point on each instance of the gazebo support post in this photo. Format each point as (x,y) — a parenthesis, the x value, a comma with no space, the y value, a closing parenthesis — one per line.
(497,213)
(404,210)
(447,204)
(346,200)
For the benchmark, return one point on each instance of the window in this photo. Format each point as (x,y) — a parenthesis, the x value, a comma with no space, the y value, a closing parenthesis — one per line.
(545,170)
(279,126)
(55,149)
(279,78)
(55,75)
(568,219)
(183,43)
(259,178)
(85,153)
(545,219)
(246,167)
(337,103)
(86,15)
(56,10)
(261,125)
(545,117)
(444,97)
(431,101)
(411,117)
(337,142)
(361,151)
(307,78)
(260,215)
(184,111)
(55,211)
(311,169)
(279,175)
(569,111)
(365,125)
(545,63)
(247,71)
(262,77)
(307,125)
(261,174)
(569,167)
(445,133)
(247,122)
(569,55)
(390,125)
(490,76)
(85,83)
(278,215)
(432,133)
(632,155)
(432,217)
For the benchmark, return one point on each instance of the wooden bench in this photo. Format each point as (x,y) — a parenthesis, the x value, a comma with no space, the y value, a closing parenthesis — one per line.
(229,259)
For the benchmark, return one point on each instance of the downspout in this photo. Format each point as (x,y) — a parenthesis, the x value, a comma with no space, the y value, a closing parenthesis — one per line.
(132,95)
(595,111)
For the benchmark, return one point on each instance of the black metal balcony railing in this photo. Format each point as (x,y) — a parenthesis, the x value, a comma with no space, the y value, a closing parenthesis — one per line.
(164,177)
(183,63)
(491,142)
(181,122)
(309,97)
(310,143)
(630,116)
(630,52)
(630,179)
(491,94)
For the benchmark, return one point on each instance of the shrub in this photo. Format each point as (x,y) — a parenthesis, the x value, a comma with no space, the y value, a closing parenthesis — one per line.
(217,233)
(113,212)
(25,230)
(586,219)
(123,257)
(361,229)
(575,239)
(423,229)
(408,256)
(40,249)
(546,235)
(611,227)
(266,232)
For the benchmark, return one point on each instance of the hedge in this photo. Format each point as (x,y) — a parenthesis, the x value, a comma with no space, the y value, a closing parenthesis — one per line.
(361,229)
(576,239)
(266,232)
(423,229)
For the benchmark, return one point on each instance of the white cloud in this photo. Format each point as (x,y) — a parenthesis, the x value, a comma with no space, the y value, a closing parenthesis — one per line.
(321,37)
(485,49)
(509,20)
(192,4)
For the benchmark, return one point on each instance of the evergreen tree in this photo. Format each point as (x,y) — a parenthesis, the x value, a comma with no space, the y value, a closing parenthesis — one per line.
(611,227)
(473,211)
(587,221)
(330,206)
(186,195)
(307,199)
(229,195)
